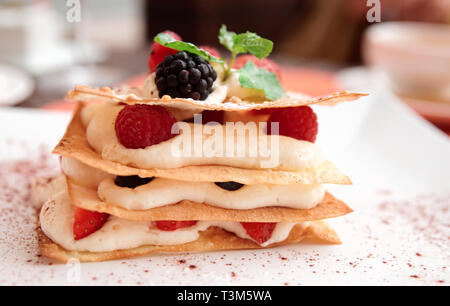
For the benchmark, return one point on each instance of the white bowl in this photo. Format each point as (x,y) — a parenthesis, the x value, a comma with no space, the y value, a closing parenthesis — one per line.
(415,56)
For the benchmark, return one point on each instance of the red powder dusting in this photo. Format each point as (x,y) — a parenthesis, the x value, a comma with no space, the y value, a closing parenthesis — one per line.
(384,192)
(427,217)
(17,213)
(16,177)
(426,214)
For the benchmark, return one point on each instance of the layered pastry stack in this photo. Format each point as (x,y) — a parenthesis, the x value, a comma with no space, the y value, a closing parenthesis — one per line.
(143,174)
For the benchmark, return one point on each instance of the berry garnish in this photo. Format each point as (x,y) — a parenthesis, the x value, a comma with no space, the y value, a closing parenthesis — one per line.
(296,122)
(185,75)
(139,126)
(260,231)
(159,52)
(132,181)
(173,225)
(230,186)
(264,63)
(211,50)
(87,222)
(212,116)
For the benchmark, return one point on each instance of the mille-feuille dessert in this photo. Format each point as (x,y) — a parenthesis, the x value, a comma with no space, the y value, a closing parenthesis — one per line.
(206,155)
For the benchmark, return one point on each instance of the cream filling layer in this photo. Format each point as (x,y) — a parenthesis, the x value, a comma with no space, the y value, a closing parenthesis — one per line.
(82,174)
(57,215)
(270,151)
(235,89)
(160,192)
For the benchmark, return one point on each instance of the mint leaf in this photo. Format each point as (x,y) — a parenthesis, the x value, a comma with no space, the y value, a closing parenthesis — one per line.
(245,43)
(226,38)
(254,77)
(168,41)
(252,43)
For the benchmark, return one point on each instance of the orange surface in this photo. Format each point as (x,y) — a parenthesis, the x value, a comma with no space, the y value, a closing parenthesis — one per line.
(310,81)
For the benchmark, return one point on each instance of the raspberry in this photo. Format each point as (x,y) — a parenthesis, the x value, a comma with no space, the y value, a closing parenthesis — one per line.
(213,51)
(139,126)
(265,63)
(296,122)
(185,75)
(159,52)
(212,116)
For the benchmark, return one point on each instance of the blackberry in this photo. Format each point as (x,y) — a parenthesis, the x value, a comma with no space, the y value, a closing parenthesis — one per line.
(230,186)
(185,75)
(132,181)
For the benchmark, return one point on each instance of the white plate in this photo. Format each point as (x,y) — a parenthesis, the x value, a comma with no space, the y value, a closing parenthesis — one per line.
(398,233)
(15,85)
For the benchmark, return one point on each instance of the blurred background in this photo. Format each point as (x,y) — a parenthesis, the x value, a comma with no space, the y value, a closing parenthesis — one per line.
(43,54)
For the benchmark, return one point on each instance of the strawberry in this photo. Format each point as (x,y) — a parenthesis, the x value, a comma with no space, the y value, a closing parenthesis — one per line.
(213,51)
(265,63)
(259,231)
(87,222)
(158,52)
(173,225)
